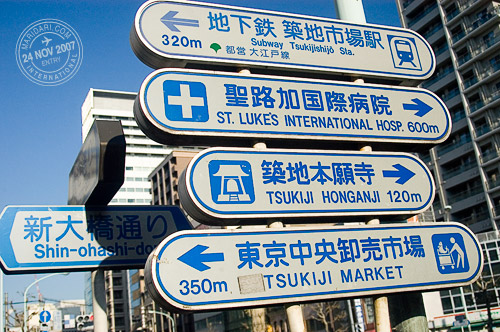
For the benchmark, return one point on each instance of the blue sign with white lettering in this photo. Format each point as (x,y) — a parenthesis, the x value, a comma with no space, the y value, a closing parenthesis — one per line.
(216,269)
(246,184)
(37,239)
(171,33)
(210,107)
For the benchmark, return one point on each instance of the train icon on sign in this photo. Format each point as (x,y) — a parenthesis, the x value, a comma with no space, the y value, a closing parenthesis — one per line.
(231,182)
(404,53)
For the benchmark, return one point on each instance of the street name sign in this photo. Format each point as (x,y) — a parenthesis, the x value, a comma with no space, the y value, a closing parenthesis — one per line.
(212,106)
(37,239)
(99,169)
(175,33)
(221,269)
(226,186)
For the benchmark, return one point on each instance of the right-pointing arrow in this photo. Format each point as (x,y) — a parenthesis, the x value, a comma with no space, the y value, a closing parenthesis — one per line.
(401,172)
(419,106)
(197,259)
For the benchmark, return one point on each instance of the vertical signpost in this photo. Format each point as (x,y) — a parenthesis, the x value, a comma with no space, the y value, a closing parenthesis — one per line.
(96,176)
(239,186)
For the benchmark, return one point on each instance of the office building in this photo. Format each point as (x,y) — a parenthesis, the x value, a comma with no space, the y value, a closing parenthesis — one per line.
(165,177)
(465,37)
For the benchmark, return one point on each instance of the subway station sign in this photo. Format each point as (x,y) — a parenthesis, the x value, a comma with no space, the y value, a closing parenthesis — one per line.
(226,186)
(174,33)
(212,270)
(212,106)
(69,238)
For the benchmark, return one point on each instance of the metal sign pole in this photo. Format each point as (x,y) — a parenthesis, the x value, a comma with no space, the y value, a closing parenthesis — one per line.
(99,301)
(294,313)
(353,11)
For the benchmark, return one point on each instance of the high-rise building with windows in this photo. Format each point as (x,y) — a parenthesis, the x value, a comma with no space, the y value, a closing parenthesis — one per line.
(465,37)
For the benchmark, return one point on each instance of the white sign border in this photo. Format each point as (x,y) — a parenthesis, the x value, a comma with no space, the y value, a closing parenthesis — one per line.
(183,58)
(151,269)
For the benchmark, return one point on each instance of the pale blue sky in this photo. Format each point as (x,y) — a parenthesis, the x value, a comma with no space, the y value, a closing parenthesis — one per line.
(40,127)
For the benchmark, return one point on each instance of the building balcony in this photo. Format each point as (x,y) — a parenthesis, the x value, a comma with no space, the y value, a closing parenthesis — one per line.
(450,173)
(445,148)
(457,37)
(476,217)
(417,22)
(493,184)
(466,199)
(450,16)
(442,78)
(478,223)
(492,98)
(483,46)
(433,34)
(460,178)
(464,6)
(410,5)
(467,83)
(475,105)
(457,116)
(463,59)
(489,71)
(442,54)
(407,3)
(487,130)
(476,28)
(452,98)
(481,130)
(492,13)
(453,151)
(488,156)
(459,126)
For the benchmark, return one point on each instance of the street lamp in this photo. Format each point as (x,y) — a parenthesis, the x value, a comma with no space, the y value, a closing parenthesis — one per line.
(172,321)
(25,327)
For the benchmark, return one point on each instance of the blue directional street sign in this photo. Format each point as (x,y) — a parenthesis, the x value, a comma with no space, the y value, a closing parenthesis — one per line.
(45,316)
(219,269)
(171,33)
(226,186)
(37,239)
(209,107)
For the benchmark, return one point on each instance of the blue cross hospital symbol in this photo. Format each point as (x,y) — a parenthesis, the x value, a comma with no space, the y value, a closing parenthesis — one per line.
(185,101)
